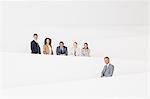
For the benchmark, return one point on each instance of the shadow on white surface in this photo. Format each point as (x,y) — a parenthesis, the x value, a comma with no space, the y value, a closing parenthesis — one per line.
(133,85)
(27,69)
(39,75)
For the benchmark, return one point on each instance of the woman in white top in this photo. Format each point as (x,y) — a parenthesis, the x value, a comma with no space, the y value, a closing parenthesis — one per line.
(85,51)
(75,50)
(47,47)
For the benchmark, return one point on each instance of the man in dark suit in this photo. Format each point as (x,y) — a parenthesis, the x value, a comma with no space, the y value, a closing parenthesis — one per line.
(61,49)
(35,48)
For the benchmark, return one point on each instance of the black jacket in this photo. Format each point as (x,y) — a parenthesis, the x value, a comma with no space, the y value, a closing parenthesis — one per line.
(35,48)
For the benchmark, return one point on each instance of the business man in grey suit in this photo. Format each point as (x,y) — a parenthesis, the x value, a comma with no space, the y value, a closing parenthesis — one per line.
(108,68)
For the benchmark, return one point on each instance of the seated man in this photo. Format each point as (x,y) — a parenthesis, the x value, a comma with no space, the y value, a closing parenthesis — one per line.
(61,49)
(108,68)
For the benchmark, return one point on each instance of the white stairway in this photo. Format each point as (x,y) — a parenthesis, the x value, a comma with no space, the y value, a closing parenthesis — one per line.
(43,75)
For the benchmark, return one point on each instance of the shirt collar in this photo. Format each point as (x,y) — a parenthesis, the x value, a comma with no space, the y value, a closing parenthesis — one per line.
(107,64)
(35,40)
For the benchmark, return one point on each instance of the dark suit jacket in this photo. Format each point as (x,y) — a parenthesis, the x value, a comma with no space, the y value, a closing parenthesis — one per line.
(59,51)
(35,48)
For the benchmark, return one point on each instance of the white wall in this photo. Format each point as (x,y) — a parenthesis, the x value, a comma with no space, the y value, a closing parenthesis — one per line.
(148,37)
(116,28)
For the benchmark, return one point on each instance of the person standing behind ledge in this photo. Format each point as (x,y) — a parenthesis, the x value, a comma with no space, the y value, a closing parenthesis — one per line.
(47,47)
(85,51)
(75,50)
(35,48)
(61,49)
(108,68)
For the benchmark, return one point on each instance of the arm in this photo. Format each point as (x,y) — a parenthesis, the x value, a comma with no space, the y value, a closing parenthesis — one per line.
(57,51)
(111,70)
(39,50)
(66,53)
(52,52)
(89,52)
(103,71)
(82,53)
(33,47)
(44,50)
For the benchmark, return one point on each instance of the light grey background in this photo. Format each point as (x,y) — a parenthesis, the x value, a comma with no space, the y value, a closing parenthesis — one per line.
(115,28)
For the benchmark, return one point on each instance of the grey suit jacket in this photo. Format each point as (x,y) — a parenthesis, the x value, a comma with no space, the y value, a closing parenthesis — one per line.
(107,71)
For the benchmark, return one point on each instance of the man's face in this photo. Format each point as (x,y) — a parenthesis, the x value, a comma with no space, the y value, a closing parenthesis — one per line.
(85,46)
(106,60)
(35,37)
(61,44)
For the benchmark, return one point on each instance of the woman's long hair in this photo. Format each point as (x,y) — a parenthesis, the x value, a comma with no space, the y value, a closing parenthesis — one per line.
(87,45)
(50,41)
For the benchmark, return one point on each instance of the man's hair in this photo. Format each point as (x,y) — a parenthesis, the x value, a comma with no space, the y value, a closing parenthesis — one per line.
(61,42)
(35,34)
(76,42)
(106,57)
(86,43)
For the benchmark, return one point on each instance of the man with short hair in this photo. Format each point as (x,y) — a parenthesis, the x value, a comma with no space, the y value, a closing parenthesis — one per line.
(35,48)
(108,68)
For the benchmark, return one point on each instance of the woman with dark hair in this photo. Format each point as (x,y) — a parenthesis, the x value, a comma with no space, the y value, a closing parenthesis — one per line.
(85,51)
(47,47)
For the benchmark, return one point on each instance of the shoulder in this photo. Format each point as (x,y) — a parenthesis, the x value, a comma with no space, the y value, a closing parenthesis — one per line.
(111,65)
(65,47)
(32,41)
(105,65)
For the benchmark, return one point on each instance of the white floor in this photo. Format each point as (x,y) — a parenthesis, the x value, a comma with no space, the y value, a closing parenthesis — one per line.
(126,84)
(134,85)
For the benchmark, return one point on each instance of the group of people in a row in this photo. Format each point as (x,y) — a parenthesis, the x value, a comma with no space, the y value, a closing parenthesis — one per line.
(60,50)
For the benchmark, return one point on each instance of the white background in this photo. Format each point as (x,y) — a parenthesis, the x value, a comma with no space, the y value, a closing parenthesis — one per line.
(116,29)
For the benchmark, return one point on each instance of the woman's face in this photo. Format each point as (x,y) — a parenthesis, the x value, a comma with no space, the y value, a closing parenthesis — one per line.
(47,41)
(75,44)
(85,46)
